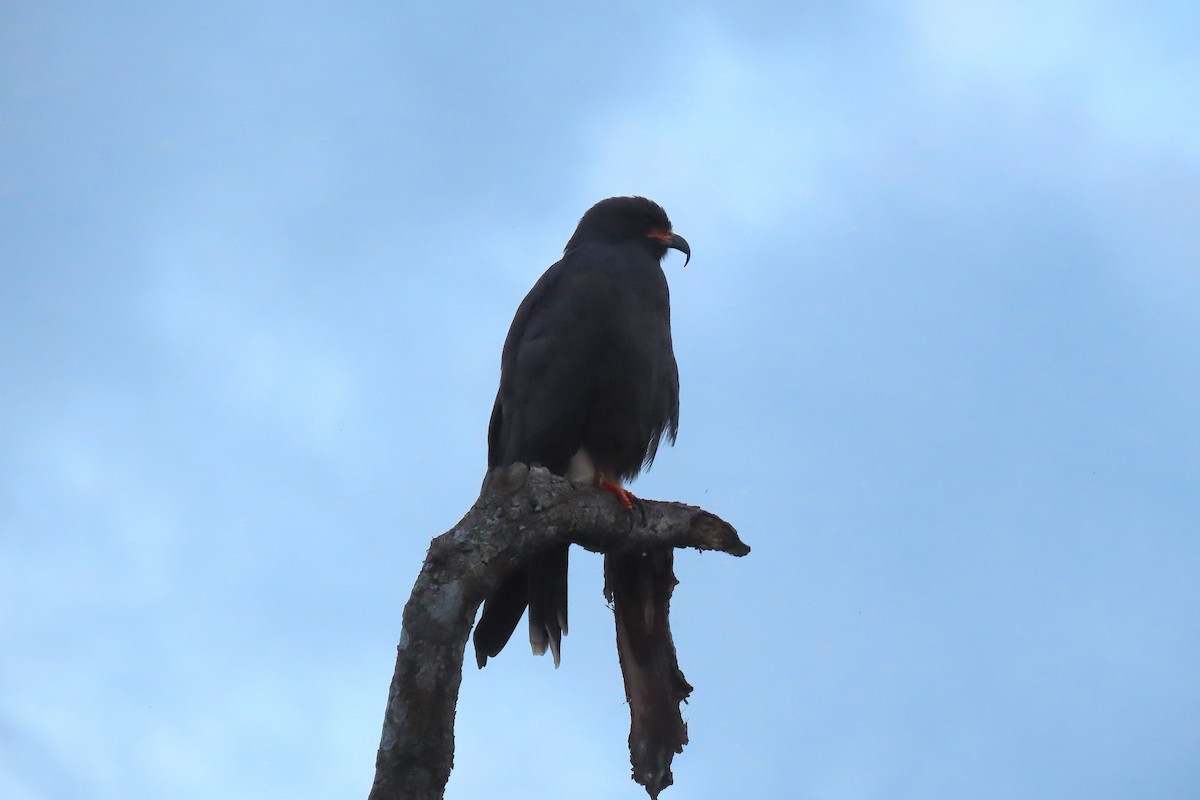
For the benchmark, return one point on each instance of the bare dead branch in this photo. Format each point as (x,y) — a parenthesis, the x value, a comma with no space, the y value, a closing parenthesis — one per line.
(520,512)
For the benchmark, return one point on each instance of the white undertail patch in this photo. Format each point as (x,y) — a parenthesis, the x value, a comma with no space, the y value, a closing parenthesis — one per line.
(581,469)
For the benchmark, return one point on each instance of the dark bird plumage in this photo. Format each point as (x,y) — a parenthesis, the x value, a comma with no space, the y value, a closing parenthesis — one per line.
(588,388)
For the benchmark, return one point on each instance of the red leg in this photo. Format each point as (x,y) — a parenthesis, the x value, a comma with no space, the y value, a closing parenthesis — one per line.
(624,495)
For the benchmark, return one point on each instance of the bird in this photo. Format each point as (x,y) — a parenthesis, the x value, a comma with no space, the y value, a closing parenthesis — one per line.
(589,387)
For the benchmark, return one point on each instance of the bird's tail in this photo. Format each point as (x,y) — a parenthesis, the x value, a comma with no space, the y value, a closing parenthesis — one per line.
(639,587)
(548,601)
(542,585)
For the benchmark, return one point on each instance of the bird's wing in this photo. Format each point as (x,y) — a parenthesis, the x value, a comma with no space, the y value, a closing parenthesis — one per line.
(546,385)
(546,371)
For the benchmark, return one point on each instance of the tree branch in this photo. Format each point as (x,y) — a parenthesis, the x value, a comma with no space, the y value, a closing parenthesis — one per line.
(520,512)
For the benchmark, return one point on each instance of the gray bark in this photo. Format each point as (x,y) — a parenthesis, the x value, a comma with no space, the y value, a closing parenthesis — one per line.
(520,511)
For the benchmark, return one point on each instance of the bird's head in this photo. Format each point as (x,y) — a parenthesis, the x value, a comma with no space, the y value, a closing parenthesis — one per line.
(620,219)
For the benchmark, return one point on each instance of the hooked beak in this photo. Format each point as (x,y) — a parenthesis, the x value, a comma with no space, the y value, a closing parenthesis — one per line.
(675,242)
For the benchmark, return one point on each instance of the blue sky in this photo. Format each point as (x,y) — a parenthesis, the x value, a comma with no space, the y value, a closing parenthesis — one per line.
(939,355)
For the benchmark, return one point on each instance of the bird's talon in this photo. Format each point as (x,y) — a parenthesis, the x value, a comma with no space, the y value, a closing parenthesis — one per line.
(641,509)
(624,495)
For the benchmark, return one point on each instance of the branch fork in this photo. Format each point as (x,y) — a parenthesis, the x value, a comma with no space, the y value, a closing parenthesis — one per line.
(520,512)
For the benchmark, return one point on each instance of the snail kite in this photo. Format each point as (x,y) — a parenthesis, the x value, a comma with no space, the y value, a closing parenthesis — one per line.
(588,387)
